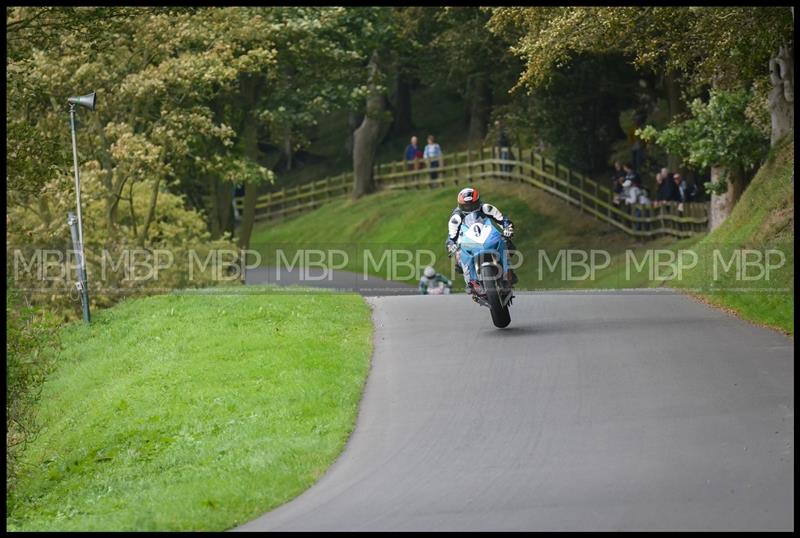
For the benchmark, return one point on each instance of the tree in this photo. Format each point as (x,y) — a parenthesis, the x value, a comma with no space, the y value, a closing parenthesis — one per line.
(717,136)
(372,129)
(377,36)
(723,47)
(465,56)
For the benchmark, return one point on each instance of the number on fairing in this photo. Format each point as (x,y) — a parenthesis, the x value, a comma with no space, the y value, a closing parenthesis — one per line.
(477,230)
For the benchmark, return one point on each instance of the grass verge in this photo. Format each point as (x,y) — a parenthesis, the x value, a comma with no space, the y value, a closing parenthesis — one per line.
(193,412)
(417,221)
(761,221)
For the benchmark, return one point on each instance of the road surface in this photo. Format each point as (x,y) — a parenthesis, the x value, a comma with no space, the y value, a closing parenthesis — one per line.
(592,411)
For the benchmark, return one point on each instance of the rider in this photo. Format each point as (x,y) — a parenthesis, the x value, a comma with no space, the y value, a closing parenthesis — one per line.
(468,201)
(429,279)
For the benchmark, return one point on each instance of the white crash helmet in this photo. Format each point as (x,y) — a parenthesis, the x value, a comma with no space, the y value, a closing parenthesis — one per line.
(429,272)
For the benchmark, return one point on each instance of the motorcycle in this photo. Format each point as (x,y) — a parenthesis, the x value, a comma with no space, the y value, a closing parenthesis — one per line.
(483,250)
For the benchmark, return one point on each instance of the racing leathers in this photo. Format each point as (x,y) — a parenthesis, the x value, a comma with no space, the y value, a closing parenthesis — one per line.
(454,229)
(425,282)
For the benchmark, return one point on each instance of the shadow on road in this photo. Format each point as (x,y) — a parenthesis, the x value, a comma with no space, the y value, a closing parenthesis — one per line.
(583,326)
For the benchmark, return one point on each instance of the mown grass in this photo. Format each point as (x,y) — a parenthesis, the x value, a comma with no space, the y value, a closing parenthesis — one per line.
(417,220)
(193,412)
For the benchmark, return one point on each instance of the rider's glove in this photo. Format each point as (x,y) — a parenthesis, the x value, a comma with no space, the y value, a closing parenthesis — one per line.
(451,248)
(508,230)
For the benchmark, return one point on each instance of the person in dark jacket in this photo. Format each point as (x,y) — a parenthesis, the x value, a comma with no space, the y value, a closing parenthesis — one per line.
(678,188)
(503,145)
(632,175)
(411,154)
(617,178)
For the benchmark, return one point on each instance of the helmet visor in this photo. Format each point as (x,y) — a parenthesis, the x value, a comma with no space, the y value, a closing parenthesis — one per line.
(469,207)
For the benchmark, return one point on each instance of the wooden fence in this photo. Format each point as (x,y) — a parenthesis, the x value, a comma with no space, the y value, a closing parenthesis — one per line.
(527,166)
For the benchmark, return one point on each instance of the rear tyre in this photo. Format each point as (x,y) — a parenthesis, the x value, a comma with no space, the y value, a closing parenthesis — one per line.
(501,317)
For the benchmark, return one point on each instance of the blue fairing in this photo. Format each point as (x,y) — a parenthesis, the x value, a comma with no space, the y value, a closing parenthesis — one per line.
(470,248)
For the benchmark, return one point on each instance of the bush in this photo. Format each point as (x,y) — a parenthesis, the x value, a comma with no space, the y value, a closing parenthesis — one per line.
(31,337)
(175,229)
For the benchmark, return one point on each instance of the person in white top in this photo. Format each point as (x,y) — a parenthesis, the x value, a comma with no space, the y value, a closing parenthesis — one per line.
(433,154)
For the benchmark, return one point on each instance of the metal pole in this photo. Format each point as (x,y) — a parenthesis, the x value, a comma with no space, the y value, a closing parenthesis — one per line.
(83,285)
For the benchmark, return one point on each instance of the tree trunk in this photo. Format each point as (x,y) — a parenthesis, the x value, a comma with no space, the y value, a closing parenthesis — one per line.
(781,97)
(402,107)
(214,210)
(251,91)
(287,149)
(480,108)
(354,119)
(367,137)
(221,196)
(248,214)
(250,140)
(151,212)
(225,197)
(722,204)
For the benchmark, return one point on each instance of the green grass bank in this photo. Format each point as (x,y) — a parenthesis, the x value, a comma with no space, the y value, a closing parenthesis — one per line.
(193,412)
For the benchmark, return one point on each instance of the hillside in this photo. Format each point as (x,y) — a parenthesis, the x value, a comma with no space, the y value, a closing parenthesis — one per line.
(763,219)
(417,220)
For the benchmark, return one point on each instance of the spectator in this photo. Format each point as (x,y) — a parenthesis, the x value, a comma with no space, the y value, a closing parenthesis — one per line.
(633,197)
(676,193)
(692,191)
(503,145)
(668,191)
(619,191)
(433,154)
(412,151)
(659,189)
(632,175)
(631,192)
(682,187)
(617,177)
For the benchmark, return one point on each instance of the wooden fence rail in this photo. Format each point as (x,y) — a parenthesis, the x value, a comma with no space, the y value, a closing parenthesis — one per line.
(527,167)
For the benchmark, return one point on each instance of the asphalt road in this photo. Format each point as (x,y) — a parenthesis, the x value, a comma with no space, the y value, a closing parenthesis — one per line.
(592,411)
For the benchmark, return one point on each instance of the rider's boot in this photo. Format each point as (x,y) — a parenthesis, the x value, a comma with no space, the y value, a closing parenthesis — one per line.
(473,288)
(511,276)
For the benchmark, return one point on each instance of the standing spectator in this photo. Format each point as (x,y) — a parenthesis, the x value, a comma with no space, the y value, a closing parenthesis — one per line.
(633,196)
(632,192)
(619,174)
(668,191)
(632,175)
(659,189)
(503,145)
(678,188)
(692,191)
(411,153)
(618,190)
(433,154)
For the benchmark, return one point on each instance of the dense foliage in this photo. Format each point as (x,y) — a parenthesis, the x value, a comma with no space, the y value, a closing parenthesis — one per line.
(717,133)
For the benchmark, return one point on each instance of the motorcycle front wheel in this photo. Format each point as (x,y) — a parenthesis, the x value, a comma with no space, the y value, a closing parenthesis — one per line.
(501,317)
